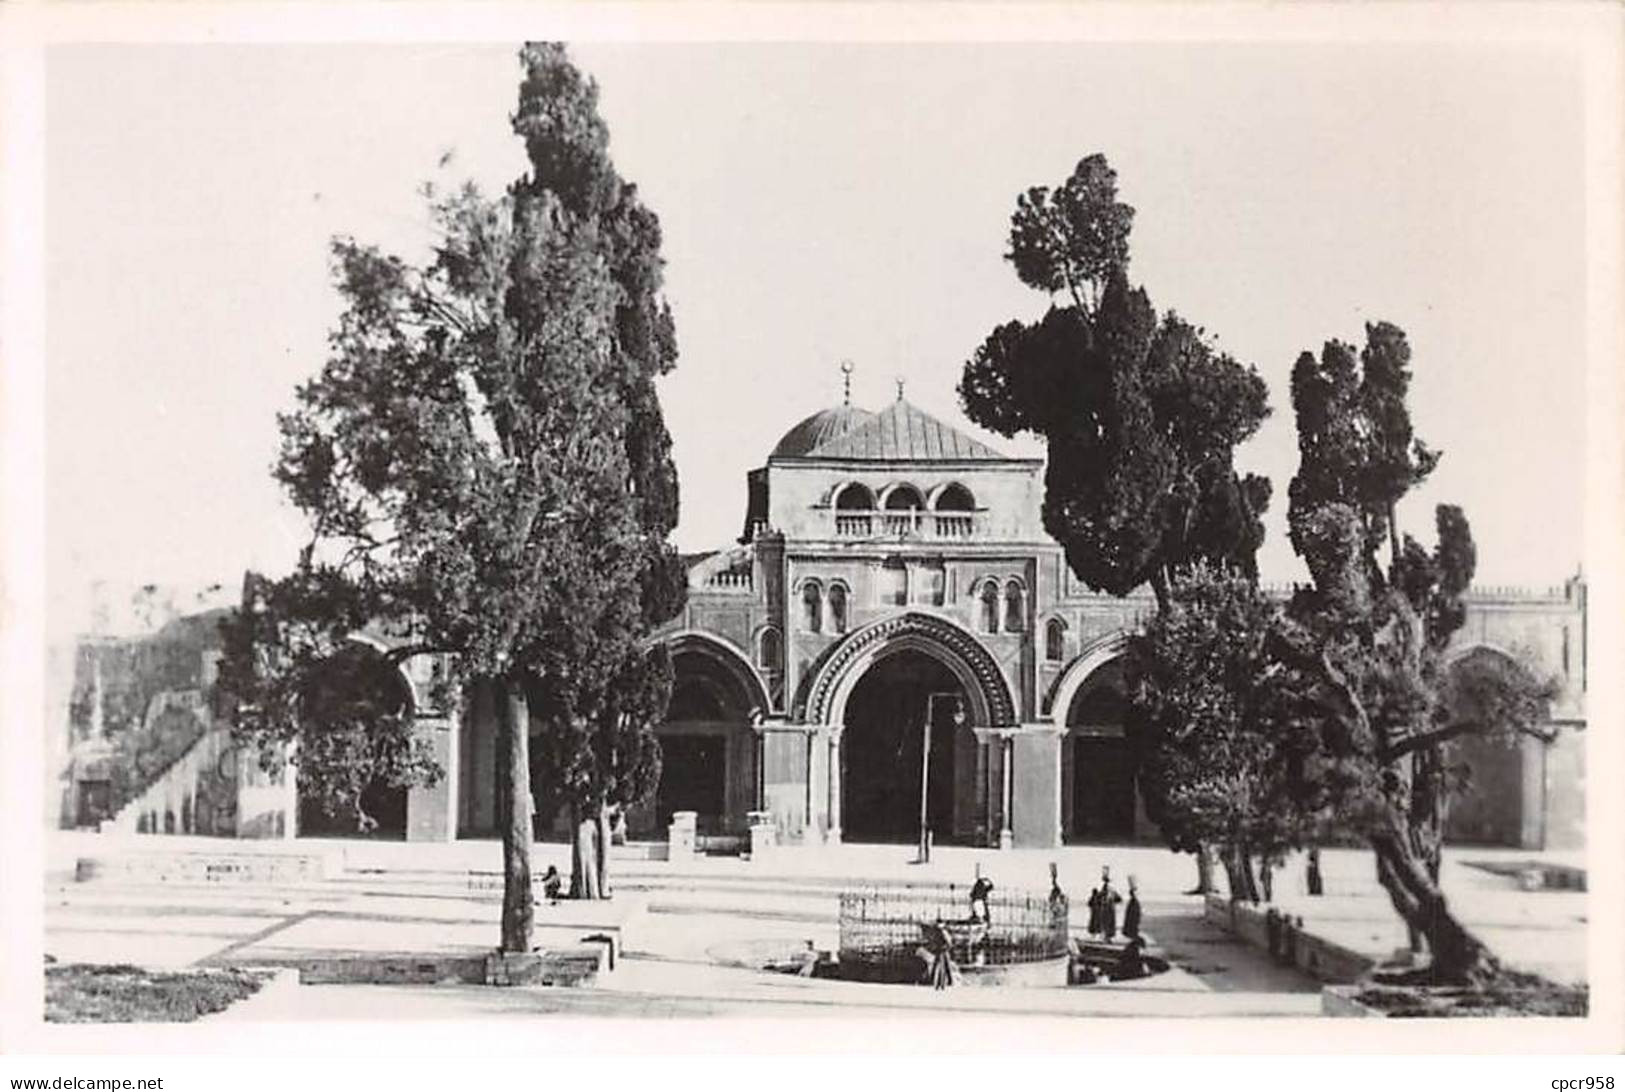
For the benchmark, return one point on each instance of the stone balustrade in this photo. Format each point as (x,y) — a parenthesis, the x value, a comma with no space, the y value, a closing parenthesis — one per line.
(854,523)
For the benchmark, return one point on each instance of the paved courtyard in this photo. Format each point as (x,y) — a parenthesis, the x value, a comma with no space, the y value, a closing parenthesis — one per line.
(699,925)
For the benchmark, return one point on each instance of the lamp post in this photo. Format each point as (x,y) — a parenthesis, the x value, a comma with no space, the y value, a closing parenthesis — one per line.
(925,770)
(925,784)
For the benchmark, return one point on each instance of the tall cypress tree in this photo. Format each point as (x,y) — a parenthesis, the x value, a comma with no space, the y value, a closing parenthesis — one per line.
(1142,414)
(485,468)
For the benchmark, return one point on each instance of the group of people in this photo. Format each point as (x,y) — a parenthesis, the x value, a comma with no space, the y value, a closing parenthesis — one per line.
(1281,931)
(1103,902)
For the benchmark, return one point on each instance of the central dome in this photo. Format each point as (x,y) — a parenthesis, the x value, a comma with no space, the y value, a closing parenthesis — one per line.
(819,429)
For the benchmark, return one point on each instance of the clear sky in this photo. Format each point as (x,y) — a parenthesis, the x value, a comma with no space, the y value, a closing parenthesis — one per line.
(819,202)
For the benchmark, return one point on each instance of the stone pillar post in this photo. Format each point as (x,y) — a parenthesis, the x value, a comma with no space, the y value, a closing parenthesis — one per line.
(431,810)
(810,832)
(761,768)
(832,833)
(984,789)
(1007,838)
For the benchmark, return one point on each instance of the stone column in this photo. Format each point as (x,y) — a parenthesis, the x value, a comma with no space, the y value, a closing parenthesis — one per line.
(761,768)
(832,833)
(809,833)
(1007,838)
(431,810)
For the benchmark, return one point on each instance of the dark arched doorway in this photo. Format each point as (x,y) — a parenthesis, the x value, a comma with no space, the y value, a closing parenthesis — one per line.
(707,749)
(888,713)
(358,714)
(1100,802)
(1498,776)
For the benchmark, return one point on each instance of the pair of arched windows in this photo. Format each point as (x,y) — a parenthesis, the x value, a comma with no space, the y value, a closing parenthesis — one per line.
(813,600)
(1014,604)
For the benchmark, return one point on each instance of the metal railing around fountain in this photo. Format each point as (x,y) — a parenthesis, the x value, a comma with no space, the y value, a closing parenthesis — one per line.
(883,928)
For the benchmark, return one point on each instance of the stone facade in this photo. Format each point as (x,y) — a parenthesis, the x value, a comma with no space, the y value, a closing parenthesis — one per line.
(896,642)
(868,536)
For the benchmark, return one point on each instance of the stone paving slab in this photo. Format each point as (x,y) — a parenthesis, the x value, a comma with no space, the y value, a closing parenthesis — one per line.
(430,902)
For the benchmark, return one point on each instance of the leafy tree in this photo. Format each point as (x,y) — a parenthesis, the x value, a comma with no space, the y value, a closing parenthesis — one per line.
(1363,649)
(1142,414)
(1355,439)
(296,678)
(1221,756)
(601,694)
(1073,237)
(486,471)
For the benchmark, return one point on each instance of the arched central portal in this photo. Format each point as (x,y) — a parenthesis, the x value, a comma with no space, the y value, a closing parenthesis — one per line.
(902,697)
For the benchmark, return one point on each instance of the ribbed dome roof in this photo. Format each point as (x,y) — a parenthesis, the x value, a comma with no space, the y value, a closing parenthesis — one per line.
(902,432)
(820,428)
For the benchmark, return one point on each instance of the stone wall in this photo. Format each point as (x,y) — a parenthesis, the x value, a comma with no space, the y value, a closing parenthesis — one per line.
(1316,956)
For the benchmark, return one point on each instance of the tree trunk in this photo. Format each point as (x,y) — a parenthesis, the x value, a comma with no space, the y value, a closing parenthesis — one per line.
(513,750)
(583,859)
(1249,881)
(1159,588)
(1239,872)
(578,879)
(1393,540)
(603,834)
(1459,958)
(1204,870)
(1425,821)
(1266,875)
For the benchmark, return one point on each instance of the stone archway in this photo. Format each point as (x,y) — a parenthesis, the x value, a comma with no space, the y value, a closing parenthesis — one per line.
(878,696)
(372,686)
(987,692)
(1099,768)
(709,759)
(1504,800)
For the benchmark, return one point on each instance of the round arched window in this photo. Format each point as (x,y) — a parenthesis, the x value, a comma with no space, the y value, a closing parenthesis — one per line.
(1013,612)
(1055,641)
(904,497)
(955,498)
(812,602)
(990,607)
(855,498)
(837,608)
(770,654)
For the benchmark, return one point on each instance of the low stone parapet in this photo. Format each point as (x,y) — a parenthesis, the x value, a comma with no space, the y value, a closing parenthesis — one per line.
(390,969)
(556,967)
(233,868)
(1315,955)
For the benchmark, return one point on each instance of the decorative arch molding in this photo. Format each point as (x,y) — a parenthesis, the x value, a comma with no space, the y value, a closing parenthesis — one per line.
(383,648)
(725,653)
(992,704)
(1091,658)
(1455,656)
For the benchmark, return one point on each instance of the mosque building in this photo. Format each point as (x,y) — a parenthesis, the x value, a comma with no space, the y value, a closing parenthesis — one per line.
(896,646)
